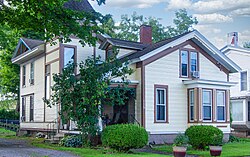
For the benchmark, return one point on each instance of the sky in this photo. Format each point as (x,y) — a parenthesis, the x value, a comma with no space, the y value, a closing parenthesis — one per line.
(215,18)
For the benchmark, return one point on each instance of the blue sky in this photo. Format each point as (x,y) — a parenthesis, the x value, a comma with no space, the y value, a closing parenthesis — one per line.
(216,17)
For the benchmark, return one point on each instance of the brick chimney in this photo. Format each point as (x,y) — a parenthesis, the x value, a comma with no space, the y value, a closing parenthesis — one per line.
(146,34)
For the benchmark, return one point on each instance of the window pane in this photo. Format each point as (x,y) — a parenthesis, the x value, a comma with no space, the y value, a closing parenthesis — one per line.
(24,75)
(243,80)
(206,97)
(68,55)
(161,112)
(220,113)
(220,98)
(193,61)
(237,111)
(184,63)
(160,96)
(191,112)
(206,112)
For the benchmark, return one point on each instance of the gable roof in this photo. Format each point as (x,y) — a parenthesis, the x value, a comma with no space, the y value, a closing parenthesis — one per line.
(196,37)
(123,44)
(227,48)
(77,5)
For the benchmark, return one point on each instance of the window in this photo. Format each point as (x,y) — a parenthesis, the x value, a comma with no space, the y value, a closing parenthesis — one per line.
(161,103)
(47,81)
(184,63)
(32,108)
(221,105)
(191,105)
(69,55)
(23,109)
(207,104)
(243,81)
(32,73)
(24,76)
(237,110)
(193,61)
(248,111)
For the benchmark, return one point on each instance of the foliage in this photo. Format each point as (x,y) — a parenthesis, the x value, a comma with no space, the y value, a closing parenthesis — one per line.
(80,97)
(8,104)
(181,140)
(233,139)
(71,141)
(51,19)
(123,137)
(246,45)
(128,28)
(11,114)
(201,136)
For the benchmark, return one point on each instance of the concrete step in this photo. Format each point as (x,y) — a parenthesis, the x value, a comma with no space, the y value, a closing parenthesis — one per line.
(52,141)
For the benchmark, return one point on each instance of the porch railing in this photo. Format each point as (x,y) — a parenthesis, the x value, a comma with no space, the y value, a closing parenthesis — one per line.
(52,128)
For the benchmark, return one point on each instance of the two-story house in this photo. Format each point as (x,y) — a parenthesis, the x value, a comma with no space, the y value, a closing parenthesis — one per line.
(179,82)
(240,94)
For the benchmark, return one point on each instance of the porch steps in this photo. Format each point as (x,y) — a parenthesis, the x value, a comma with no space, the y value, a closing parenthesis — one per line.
(56,138)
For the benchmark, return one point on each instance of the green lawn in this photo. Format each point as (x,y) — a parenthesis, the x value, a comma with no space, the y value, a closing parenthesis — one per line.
(228,150)
(6,133)
(84,152)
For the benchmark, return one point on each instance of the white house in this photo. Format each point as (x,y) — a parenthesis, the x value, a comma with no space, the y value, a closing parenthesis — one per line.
(179,82)
(240,94)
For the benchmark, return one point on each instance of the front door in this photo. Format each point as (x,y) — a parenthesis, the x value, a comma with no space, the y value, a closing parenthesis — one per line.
(120,114)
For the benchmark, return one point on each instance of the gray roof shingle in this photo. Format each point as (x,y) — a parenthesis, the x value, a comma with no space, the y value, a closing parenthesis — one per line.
(82,5)
(127,44)
(32,43)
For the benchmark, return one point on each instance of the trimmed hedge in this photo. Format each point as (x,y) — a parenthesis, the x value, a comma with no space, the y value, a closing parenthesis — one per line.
(123,137)
(201,136)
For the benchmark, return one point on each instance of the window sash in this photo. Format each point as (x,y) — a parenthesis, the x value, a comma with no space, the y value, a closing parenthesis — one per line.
(24,75)
(184,63)
(23,108)
(32,73)
(243,81)
(32,108)
(161,105)
(69,56)
(191,105)
(207,106)
(221,105)
(193,61)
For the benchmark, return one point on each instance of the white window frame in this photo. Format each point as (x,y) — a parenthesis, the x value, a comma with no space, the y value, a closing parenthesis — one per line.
(211,102)
(191,104)
(188,67)
(24,75)
(224,105)
(244,71)
(165,104)
(32,74)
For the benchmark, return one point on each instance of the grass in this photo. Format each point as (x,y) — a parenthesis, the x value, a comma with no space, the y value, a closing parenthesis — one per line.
(235,149)
(84,152)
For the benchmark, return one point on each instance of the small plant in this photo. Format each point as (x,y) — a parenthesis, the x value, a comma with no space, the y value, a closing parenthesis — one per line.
(201,136)
(123,137)
(181,140)
(233,139)
(71,141)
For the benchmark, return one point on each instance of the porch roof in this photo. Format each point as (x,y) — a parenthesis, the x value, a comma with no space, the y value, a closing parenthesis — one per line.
(208,82)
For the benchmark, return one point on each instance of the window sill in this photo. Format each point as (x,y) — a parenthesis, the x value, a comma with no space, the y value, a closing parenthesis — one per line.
(160,122)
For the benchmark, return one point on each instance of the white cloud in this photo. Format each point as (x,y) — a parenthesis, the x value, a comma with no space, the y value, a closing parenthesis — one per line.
(204,29)
(178,4)
(212,18)
(133,3)
(241,12)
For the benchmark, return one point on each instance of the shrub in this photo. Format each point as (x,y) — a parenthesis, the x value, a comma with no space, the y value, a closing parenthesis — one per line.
(181,140)
(11,115)
(201,136)
(123,137)
(233,139)
(71,141)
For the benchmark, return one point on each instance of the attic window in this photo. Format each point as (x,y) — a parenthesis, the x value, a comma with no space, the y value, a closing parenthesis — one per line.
(22,49)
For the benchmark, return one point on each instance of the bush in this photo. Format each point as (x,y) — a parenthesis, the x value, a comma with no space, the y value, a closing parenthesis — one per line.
(123,137)
(181,140)
(11,115)
(233,139)
(201,136)
(71,141)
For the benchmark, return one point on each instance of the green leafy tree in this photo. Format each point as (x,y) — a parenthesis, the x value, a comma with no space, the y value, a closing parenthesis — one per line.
(80,97)
(246,45)
(129,27)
